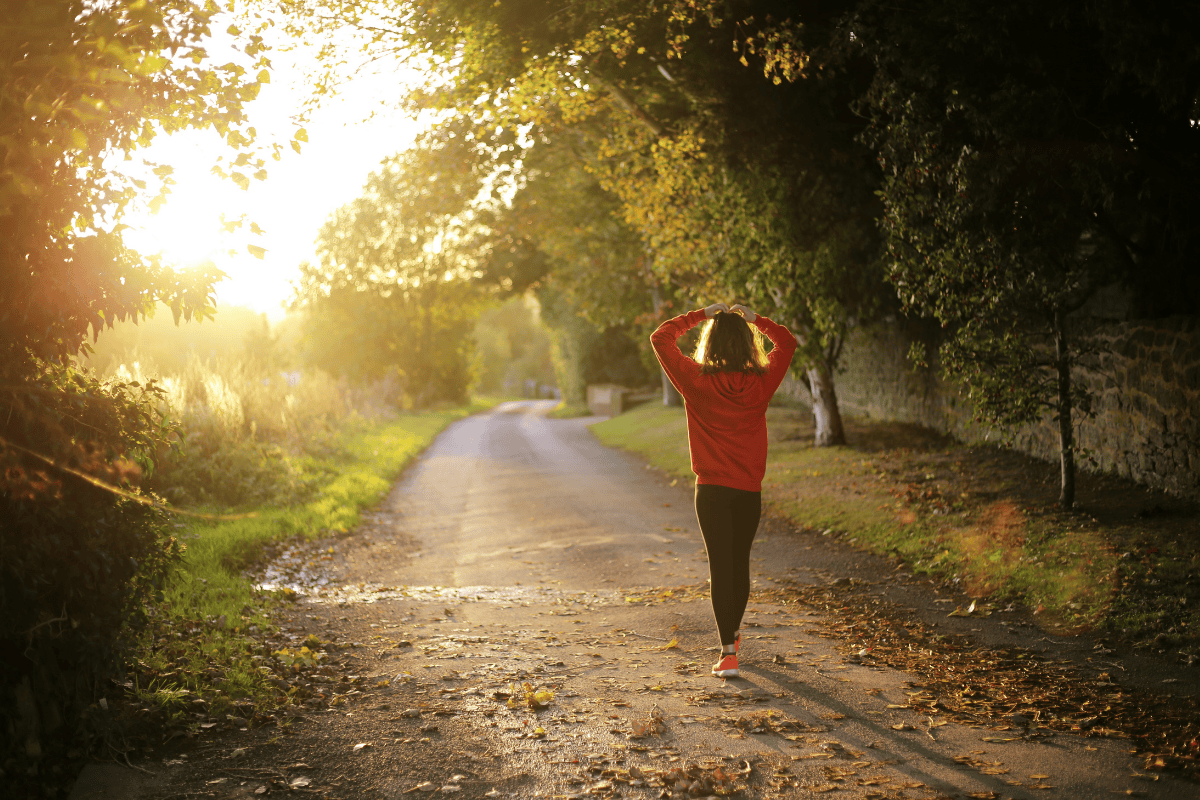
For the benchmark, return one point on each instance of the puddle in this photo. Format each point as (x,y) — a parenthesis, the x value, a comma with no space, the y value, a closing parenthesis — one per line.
(300,570)
(502,595)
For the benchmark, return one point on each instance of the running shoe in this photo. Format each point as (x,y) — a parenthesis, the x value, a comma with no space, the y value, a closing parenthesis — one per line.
(727,667)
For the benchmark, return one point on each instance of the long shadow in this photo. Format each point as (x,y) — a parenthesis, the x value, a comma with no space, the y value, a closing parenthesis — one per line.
(911,748)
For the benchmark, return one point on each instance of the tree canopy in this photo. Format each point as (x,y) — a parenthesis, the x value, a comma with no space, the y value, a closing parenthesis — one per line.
(399,274)
(734,185)
(82,85)
(1035,154)
(998,165)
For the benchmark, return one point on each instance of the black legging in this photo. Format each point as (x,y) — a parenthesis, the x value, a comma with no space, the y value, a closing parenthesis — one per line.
(728,521)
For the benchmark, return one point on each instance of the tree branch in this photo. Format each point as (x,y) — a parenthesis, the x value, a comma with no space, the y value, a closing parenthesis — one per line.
(625,102)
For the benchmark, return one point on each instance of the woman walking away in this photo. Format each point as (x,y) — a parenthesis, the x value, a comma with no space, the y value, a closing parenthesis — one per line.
(726,388)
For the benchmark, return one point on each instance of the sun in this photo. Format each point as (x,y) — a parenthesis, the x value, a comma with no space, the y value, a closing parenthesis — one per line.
(187,229)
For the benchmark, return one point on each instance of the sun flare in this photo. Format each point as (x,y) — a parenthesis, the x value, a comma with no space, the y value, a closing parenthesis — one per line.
(187,230)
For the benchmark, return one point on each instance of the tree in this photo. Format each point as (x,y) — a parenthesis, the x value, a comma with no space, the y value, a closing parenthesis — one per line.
(398,283)
(512,346)
(597,274)
(1034,153)
(82,84)
(736,185)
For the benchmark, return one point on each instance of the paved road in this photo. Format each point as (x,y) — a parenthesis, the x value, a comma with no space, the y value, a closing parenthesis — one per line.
(509,553)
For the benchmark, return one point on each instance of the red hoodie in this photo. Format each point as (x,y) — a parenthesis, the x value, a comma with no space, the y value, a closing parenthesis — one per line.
(726,411)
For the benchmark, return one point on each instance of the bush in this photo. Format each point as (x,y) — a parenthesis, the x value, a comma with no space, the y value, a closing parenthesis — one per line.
(614,357)
(77,563)
(245,431)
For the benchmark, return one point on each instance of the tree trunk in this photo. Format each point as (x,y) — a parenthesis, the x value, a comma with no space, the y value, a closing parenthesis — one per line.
(1066,432)
(671,396)
(825,407)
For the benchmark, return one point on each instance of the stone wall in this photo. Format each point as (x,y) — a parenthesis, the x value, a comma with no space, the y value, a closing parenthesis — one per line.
(1146,380)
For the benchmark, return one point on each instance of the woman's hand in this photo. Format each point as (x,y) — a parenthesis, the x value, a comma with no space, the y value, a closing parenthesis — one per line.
(745,312)
(711,311)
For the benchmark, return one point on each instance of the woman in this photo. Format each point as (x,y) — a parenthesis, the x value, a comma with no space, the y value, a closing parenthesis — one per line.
(726,388)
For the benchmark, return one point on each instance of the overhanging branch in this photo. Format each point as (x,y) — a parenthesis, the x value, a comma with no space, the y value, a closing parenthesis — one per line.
(624,101)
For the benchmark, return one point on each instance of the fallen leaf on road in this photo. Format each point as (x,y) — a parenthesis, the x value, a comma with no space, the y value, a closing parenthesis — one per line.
(422,787)
(525,694)
(298,783)
(361,746)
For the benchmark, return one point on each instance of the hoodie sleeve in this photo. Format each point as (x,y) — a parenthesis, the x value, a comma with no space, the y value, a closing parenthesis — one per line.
(682,370)
(780,358)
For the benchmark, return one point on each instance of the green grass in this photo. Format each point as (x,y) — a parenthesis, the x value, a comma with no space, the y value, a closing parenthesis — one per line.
(658,432)
(198,644)
(904,501)
(566,410)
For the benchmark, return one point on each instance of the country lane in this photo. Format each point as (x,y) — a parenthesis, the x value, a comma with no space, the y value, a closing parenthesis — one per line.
(525,616)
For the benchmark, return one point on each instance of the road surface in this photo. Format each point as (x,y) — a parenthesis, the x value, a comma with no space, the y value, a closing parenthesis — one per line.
(517,550)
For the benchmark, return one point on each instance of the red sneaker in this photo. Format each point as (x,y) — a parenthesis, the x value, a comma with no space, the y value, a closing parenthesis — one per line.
(727,667)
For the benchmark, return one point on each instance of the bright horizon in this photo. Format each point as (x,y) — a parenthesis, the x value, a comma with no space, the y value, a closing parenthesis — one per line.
(348,136)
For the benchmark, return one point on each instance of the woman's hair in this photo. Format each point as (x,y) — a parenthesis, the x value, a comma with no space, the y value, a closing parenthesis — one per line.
(730,344)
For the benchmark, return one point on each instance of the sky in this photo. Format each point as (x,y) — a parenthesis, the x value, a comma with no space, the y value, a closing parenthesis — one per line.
(347,138)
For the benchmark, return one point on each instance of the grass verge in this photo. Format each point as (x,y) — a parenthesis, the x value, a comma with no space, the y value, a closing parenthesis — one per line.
(1125,561)
(207,660)
(566,410)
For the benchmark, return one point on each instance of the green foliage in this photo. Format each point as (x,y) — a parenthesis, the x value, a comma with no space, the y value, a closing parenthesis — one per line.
(571,337)
(245,434)
(703,178)
(511,346)
(82,83)
(397,287)
(74,575)
(614,357)
(1027,169)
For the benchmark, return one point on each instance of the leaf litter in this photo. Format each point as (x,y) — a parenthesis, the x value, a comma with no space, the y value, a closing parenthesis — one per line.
(987,686)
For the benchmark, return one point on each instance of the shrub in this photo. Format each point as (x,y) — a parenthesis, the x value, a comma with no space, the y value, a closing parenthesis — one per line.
(77,562)
(245,431)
